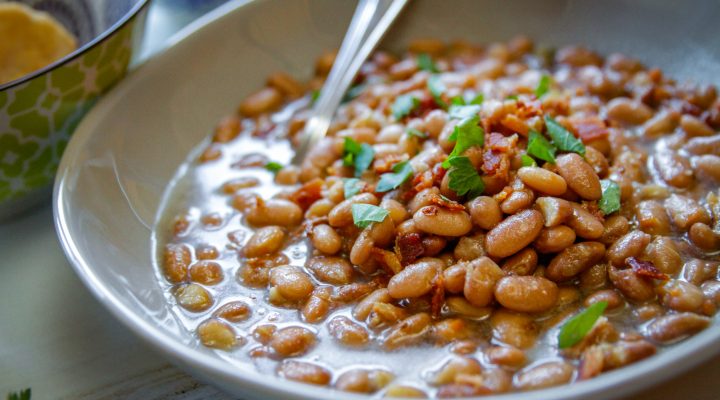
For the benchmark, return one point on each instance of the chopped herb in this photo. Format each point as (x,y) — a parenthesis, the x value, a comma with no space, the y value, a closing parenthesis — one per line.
(578,326)
(462,112)
(21,395)
(466,134)
(314,95)
(352,186)
(527,161)
(543,86)
(512,97)
(610,201)
(358,155)
(562,138)
(402,171)
(464,179)
(351,148)
(404,105)
(273,166)
(417,133)
(426,63)
(539,147)
(478,99)
(365,214)
(353,92)
(437,88)
(457,101)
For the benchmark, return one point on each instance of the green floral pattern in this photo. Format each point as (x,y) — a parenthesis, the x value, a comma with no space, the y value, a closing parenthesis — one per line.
(38,116)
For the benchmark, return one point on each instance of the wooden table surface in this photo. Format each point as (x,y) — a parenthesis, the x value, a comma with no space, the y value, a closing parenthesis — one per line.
(58,340)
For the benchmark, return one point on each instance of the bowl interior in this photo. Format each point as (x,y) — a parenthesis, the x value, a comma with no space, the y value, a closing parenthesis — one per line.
(125,152)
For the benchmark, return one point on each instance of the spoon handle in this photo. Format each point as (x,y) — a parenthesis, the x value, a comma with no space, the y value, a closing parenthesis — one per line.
(371,20)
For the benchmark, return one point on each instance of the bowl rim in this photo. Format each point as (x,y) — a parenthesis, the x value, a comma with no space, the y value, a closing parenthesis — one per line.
(119,24)
(626,380)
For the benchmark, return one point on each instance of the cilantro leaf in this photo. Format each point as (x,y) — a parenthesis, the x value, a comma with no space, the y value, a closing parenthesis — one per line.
(466,134)
(457,101)
(404,105)
(539,147)
(21,395)
(462,111)
(417,133)
(402,171)
(543,86)
(365,214)
(562,138)
(464,179)
(426,63)
(527,161)
(351,148)
(358,155)
(512,97)
(352,186)
(578,326)
(478,100)
(610,201)
(273,166)
(437,88)
(314,96)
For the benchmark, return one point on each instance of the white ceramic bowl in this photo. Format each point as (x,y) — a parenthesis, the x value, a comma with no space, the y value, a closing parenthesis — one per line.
(124,153)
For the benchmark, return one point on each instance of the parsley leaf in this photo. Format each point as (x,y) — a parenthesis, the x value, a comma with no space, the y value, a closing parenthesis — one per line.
(464,179)
(478,99)
(539,147)
(437,88)
(273,166)
(457,101)
(527,161)
(563,139)
(610,201)
(404,105)
(426,63)
(543,86)
(351,148)
(352,186)
(21,395)
(512,97)
(417,133)
(462,111)
(365,214)
(578,326)
(359,155)
(402,171)
(466,134)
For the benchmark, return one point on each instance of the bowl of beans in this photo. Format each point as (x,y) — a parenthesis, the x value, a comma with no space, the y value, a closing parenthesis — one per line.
(496,210)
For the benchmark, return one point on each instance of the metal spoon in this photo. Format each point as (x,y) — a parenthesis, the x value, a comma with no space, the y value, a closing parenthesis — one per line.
(371,20)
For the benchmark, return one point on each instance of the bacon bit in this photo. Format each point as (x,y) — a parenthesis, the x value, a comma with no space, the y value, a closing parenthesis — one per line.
(408,247)
(387,259)
(308,193)
(385,164)
(422,181)
(645,269)
(515,124)
(438,296)
(496,163)
(499,142)
(251,160)
(655,74)
(689,108)
(446,203)
(589,128)
(503,194)
(438,173)
(529,109)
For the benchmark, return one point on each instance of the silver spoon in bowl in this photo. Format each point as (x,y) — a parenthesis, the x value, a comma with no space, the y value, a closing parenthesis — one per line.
(371,20)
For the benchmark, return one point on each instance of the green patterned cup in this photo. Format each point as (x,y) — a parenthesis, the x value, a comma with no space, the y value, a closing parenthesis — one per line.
(40,111)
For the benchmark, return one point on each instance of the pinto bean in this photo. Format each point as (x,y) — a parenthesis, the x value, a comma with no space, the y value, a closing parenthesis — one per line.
(404,391)
(681,296)
(279,212)
(234,311)
(704,237)
(289,284)
(514,233)
(574,260)
(631,285)
(341,214)
(485,212)
(630,245)
(216,334)
(506,356)
(703,145)
(698,271)
(542,180)
(579,175)
(555,239)
(266,240)
(597,160)
(460,306)
(594,277)
(694,126)
(514,329)
(326,239)
(410,330)
(628,111)
(652,217)
(206,272)
(674,169)
(318,305)
(530,294)
(521,263)
(365,306)
(292,341)
(585,225)
(363,380)
(672,327)
(454,367)
(555,211)
(663,253)
(305,372)
(334,270)
(518,200)
(454,277)
(443,222)
(193,297)
(416,279)
(348,332)
(480,279)
(176,260)
(614,228)
(707,167)
(544,375)
(685,211)
(264,100)
(470,247)
(611,297)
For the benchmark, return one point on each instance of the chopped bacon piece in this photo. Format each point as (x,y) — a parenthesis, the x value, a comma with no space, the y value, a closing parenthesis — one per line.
(645,269)
(438,296)
(499,142)
(529,109)
(589,128)
(515,124)
(446,203)
(308,193)
(422,181)
(385,164)
(408,247)
(387,259)
(496,163)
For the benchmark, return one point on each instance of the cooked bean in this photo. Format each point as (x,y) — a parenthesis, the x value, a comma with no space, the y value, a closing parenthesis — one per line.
(206,272)
(611,297)
(708,167)
(364,307)
(382,233)
(530,294)
(674,169)
(193,297)
(543,180)
(662,123)
(404,392)
(334,270)
(704,237)
(325,239)
(289,284)
(415,280)
(266,240)
(681,296)
(422,199)
(454,277)
(233,185)
(347,332)
(320,208)
(305,372)
(408,331)
(469,247)
(509,357)
(630,245)
(555,239)
(266,99)
(517,330)
(628,111)
(318,305)
(522,263)
(176,260)
(514,233)
(363,380)
(685,211)
(480,279)
(694,126)
(698,271)
(652,218)
(454,367)
(544,375)
(216,334)
(673,327)
(594,277)
(460,306)
(555,211)
(703,145)
(519,199)
(362,248)
(574,260)
(485,212)
(286,84)
(615,227)
(711,290)
(341,214)
(274,212)
(632,286)
(292,341)
(585,225)
(579,175)
(597,160)
(398,213)
(443,222)
(234,311)
(206,252)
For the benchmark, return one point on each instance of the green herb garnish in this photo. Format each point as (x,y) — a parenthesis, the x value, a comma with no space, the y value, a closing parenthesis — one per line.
(402,171)
(562,138)
(527,161)
(365,214)
(314,95)
(464,179)
(353,92)
(478,99)
(578,326)
(610,201)
(539,147)
(352,186)
(466,134)
(273,166)
(457,101)
(358,155)
(404,105)
(437,88)
(543,86)
(21,395)
(512,97)
(416,133)
(426,63)
(462,112)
